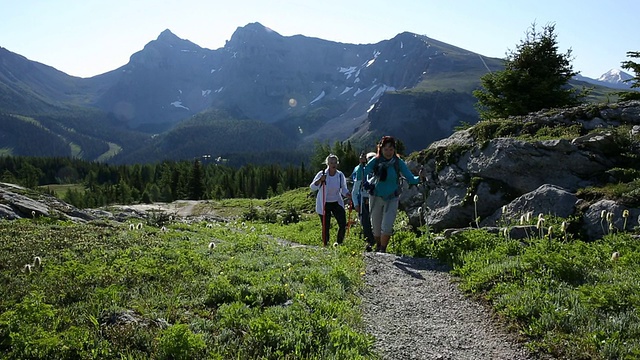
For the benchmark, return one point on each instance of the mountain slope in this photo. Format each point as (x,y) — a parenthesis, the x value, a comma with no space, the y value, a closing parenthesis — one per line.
(297,89)
(212,134)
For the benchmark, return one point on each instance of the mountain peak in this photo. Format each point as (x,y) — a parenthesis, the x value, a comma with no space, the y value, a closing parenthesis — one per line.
(167,35)
(615,76)
(252,32)
(167,38)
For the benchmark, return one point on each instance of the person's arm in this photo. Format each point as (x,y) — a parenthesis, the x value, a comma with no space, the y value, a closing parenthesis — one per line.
(368,169)
(404,169)
(355,193)
(316,183)
(345,189)
(354,173)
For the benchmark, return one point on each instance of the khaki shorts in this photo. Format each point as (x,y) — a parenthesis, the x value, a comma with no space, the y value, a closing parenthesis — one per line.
(383,215)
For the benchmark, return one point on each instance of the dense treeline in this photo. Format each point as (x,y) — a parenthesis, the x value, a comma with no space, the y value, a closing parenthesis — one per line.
(64,134)
(103,184)
(21,135)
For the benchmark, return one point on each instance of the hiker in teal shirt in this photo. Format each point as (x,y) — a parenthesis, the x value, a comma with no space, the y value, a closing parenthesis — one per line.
(384,188)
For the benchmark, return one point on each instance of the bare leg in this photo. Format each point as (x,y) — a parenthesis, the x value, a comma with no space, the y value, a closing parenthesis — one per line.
(384,241)
(377,239)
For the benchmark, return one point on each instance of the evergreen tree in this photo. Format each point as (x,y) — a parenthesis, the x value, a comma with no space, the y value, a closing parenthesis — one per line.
(29,175)
(74,198)
(196,182)
(535,77)
(124,193)
(344,151)
(8,177)
(635,81)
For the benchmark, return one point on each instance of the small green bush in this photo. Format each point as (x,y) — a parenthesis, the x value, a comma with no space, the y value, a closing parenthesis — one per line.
(179,342)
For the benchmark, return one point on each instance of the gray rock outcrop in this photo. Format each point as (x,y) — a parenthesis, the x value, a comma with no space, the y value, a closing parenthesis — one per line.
(17,202)
(510,177)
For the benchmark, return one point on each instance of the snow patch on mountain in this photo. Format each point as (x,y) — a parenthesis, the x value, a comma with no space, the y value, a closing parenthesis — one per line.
(615,76)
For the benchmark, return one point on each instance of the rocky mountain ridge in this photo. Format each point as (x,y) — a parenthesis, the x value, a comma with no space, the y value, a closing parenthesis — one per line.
(614,78)
(305,89)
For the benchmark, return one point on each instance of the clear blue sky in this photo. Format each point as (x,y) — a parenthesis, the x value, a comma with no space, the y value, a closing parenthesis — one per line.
(90,37)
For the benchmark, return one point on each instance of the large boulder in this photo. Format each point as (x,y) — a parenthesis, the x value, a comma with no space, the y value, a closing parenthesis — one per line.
(606,217)
(547,200)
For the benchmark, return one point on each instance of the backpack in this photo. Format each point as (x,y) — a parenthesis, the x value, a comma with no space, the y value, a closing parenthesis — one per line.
(370,183)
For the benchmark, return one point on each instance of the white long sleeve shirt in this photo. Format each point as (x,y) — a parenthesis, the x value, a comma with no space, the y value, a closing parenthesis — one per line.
(334,190)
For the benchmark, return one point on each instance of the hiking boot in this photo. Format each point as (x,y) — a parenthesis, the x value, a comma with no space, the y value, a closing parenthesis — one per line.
(368,248)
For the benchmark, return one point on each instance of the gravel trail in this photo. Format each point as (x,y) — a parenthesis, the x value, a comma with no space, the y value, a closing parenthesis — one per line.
(415,311)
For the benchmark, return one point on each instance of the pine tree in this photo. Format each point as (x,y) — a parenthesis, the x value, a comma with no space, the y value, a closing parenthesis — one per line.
(535,77)
(635,81)
(196,182)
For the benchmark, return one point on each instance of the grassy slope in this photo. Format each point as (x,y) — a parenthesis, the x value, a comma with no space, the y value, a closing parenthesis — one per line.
(249,297)
(245,296)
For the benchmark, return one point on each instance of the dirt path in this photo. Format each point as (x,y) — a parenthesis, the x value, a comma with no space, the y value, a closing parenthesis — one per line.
(415,311)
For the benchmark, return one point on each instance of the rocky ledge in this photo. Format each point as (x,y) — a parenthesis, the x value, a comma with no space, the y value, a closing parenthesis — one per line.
(503,179)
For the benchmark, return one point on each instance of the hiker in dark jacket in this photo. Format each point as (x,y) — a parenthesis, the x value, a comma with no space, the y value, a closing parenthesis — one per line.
(361,198)
(384,189)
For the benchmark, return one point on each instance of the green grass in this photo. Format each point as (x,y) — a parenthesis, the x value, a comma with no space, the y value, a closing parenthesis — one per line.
(274,207)
(567,298)
(247,296)
(466,81)
(59,190)
(76,150)
(236,290)
(114,149)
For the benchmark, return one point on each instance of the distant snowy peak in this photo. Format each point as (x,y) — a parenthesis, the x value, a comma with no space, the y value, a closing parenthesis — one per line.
(614,76)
